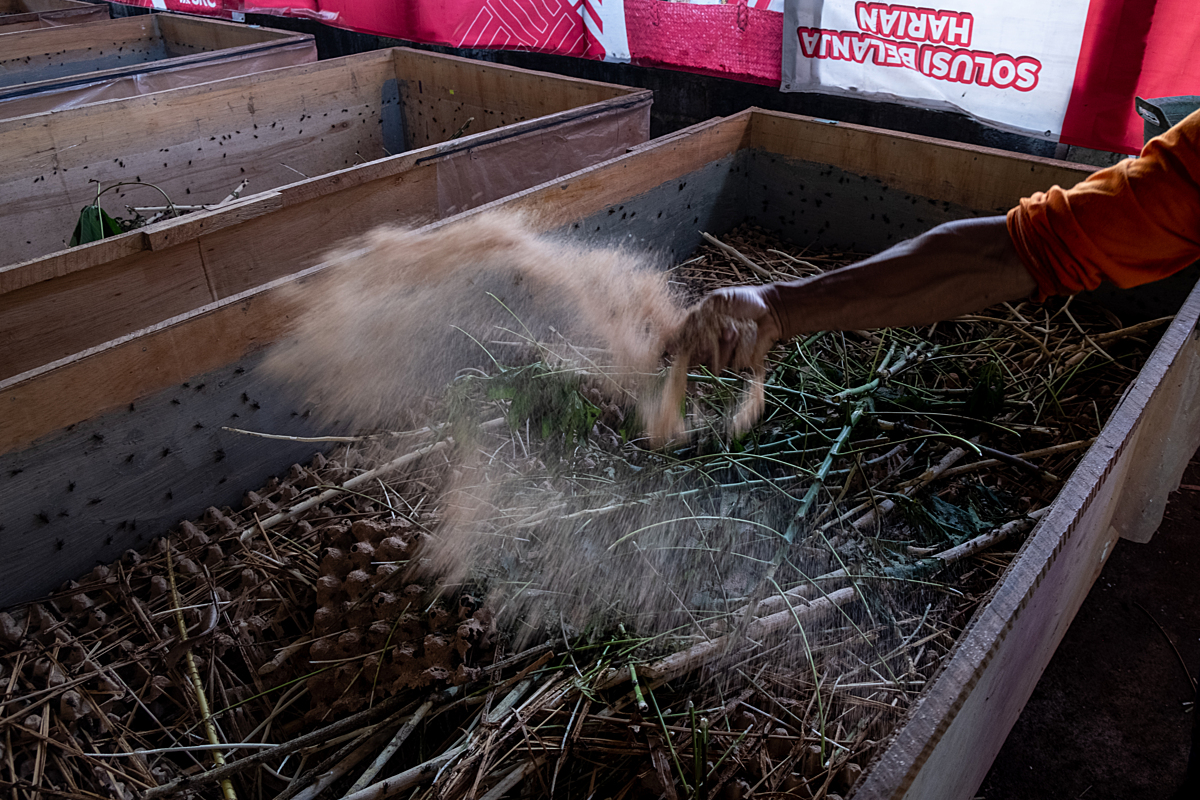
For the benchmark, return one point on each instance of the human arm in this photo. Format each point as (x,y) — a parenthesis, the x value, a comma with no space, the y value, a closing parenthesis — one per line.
(1132,223)
(953,269)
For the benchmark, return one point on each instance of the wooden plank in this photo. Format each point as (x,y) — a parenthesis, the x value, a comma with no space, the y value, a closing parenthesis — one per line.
(116,481)
(298,236)
(27,273)
(975,177)
(440,93)
(170,232)
(196,144)
(48,14)
(39,57)
(85,385)
(100,304)
(591,190)
(14,7)
(186,35)
(93,489)
(62,58)
(1167,439)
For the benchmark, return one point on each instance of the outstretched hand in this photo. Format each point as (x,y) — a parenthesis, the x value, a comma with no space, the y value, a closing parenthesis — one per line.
(732,328)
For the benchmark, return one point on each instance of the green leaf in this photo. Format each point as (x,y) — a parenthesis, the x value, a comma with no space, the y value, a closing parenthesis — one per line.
(94,224)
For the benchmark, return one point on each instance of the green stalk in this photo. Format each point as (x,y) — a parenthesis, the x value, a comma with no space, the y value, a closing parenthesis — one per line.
(637,688)
(822,472)
(667,735)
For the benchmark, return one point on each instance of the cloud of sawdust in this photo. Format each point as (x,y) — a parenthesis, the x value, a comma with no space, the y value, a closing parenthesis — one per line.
(402,312)
(398,314)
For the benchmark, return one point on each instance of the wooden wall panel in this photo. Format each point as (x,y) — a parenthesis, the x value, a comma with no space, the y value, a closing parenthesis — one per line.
(441,94)
(99,304)
(967,175)
(197,145)
(949,738)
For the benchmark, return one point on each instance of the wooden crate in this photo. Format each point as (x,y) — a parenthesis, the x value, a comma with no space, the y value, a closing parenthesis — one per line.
(110,447)
(333,122)
(72,65)
(24,15)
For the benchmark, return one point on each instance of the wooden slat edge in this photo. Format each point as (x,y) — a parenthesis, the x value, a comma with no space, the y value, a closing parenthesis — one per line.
(616,90)
(64,262)
(586,191)
(169,233)
(84,385)
(44,39)
(99,12)
(176,62)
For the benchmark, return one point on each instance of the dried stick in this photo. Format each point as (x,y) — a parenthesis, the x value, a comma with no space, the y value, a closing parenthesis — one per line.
(988,463)
(513,778)
(353,483)
(390,750)
(699,654)
(999,455)
(1132,330)
(210,729)
(407,779)
(329,494)
(189,783)
(337,765)
(732,251)
(986,540)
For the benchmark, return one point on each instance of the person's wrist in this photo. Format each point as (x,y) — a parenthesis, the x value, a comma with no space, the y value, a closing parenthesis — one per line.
(776,314)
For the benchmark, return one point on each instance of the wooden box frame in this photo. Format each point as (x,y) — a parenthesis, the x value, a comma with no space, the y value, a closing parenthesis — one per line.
(67,66)
(126,417)
(332,121)
(24,15)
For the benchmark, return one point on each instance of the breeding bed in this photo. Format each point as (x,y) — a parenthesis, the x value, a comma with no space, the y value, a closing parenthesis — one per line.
(661,675)
(21,15)
(63,67)
(135,425)
(329,150)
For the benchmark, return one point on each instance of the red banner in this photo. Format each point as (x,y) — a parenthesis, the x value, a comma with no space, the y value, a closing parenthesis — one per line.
(1129,47)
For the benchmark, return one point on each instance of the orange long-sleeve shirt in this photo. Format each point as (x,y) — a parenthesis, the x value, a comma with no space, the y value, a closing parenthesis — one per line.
(1131,223)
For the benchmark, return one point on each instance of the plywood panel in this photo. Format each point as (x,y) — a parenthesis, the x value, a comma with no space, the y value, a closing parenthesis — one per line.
(976,177)
(100,304)
(18,15)
(196,145)
(14,7)
(111,376)
(31,58)
(66,67)
(441,94)
(606,185)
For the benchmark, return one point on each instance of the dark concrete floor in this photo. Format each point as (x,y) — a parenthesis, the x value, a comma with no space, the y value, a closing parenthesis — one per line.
(1112,715)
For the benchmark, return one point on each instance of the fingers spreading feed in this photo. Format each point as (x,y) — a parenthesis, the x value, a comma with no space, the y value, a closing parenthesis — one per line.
(708,336)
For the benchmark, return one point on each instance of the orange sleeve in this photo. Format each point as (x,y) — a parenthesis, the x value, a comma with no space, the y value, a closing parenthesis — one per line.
(1132,223)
